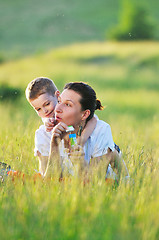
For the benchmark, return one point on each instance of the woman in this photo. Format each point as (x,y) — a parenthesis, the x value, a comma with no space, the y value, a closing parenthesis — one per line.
(76,106)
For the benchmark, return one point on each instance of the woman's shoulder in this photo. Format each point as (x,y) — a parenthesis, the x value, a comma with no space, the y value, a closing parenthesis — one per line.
(101,139)
(101,127)
(102,132)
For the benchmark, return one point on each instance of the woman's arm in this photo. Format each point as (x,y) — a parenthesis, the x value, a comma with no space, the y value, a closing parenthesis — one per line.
(119,164)
(100,164)
(54,166)
(45,164)
(43,160)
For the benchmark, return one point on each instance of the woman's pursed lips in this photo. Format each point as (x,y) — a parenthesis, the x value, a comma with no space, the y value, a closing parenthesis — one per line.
(58,118)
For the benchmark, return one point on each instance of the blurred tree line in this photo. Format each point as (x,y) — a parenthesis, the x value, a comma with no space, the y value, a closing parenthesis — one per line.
(134,23)
(9,93)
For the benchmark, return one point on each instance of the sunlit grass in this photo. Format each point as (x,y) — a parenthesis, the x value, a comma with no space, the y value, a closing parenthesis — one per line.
(72,210)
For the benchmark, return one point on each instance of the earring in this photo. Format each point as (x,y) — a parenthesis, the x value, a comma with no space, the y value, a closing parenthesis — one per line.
(79,131)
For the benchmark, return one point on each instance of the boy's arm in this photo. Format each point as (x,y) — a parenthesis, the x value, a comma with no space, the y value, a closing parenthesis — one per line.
(90,126)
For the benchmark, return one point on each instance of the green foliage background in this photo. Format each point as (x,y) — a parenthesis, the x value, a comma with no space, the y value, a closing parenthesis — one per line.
(134,23)
(125,77)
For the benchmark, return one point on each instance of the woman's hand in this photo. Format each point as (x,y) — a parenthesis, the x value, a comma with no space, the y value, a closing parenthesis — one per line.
(77,155)
(59,131)
(54,164)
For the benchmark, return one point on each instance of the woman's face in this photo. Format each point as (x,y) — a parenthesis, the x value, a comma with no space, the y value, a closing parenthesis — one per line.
(68,108)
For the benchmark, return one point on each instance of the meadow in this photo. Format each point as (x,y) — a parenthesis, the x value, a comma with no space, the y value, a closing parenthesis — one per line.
(125,77)
(28,27)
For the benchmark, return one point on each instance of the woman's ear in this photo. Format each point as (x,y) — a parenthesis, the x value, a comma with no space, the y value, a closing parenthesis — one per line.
(57,93)
(85,114)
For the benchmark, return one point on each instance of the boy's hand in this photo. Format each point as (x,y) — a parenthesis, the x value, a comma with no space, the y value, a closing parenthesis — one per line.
(49,124)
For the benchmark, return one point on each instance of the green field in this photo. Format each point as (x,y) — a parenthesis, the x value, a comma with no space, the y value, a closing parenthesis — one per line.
(125,77)
(33,26)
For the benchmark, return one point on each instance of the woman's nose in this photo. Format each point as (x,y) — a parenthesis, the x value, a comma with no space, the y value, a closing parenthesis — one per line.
(58,108)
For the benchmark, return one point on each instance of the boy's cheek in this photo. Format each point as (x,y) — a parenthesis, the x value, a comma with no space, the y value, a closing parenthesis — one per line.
(40,114)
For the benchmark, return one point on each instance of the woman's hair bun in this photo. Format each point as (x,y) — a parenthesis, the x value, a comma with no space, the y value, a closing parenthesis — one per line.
(98,104)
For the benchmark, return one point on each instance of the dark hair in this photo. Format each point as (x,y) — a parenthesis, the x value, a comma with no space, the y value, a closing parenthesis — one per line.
(88,97)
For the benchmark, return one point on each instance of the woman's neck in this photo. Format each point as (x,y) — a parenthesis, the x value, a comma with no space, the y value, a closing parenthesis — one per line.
(79,128)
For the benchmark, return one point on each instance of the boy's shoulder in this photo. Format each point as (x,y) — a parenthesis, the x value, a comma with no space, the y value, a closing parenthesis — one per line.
(42,128)
(41,131)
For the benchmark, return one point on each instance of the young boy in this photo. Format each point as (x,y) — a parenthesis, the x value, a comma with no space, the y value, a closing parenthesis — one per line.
(42,94)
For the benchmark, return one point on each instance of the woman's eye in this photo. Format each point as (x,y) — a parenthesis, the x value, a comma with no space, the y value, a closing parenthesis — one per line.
(38,109)
(47,103)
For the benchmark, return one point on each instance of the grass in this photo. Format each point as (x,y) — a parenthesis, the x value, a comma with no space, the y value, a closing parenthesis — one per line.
(125,77)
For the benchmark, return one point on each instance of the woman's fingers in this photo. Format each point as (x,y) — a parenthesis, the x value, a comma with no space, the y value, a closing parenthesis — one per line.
(59,130)
(77,149)
(75,159)
(56,134)
(77,154)
(63,125)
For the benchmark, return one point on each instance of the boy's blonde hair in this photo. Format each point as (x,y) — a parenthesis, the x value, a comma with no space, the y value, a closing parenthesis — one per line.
(39,86)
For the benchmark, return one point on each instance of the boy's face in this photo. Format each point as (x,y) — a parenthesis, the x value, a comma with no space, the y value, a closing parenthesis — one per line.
(45,104)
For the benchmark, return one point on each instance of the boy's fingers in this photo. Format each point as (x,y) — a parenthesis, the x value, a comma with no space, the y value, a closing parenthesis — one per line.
(52,120)
(48,129)
(49,124)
